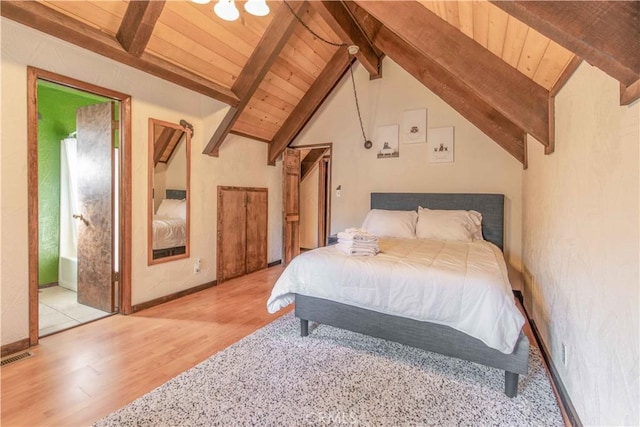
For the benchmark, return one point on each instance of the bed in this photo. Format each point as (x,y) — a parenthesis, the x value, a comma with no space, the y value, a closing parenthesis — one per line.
(169,225)
(321,307)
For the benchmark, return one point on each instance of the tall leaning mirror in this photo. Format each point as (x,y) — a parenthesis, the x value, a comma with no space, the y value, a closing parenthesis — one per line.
(169,176)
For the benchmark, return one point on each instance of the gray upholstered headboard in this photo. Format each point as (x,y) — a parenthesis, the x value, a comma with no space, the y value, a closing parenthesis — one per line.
(176,194)
(491,206)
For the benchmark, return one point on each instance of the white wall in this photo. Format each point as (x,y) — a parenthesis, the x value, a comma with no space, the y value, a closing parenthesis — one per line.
(480,164)
(309,209)
(580,244)
(241,162)
(177,167)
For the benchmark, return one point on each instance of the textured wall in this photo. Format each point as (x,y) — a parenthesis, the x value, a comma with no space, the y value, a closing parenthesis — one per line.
(52,127)
(480,164)
(581,246)
(241,162)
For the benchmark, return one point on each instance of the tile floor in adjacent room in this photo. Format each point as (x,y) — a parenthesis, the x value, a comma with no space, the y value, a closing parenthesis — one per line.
(58,309)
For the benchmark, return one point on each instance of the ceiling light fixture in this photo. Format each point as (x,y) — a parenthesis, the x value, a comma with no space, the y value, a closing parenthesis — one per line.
(257,7)
(227,10)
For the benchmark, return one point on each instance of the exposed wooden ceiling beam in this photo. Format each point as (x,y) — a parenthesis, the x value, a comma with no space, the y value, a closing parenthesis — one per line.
(337,15)
(604,33)
(313,156)
(47,20)
(275,37)
(629,94)
(454,92)
(167,138)
(568,71)
(247,135)
(137,25)
(571,68)
(503,87)
(367,23)
(310,102)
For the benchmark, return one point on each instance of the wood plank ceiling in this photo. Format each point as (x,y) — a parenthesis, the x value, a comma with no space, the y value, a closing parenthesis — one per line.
(499,64)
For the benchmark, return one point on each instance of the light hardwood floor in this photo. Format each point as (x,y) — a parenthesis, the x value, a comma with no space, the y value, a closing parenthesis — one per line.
(78,376)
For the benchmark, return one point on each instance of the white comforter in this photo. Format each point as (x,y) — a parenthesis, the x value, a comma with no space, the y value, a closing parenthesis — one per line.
(168,232)
(461,285)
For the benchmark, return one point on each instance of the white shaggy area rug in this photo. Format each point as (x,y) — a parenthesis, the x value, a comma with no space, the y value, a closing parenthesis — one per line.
(274,377)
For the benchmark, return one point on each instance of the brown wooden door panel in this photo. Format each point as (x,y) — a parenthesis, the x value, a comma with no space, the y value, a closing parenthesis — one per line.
(291,195)
(242,231)
(232,234)
(95,202)
(256,230)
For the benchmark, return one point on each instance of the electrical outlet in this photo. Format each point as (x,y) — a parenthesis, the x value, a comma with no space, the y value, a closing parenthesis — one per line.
(565,354)
(196,266)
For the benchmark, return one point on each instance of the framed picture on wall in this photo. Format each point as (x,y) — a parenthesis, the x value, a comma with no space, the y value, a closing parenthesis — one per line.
(440,145)
(414,126)
(388,142)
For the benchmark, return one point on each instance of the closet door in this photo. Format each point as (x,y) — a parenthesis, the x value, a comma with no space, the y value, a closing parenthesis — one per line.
(256,254)
(232,233)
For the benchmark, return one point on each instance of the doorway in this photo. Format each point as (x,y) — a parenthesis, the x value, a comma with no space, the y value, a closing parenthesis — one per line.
(79,194)
(314,195)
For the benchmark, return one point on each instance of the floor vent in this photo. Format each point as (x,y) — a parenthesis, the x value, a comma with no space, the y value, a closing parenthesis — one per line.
(15,358)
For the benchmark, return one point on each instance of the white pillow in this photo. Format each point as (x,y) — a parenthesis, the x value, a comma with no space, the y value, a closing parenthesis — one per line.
(385,223)
(173,208)
(464,226)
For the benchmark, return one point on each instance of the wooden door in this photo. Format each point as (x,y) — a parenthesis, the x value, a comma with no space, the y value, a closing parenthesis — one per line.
(256,253)
(232,233)
(94,221)
(291,208)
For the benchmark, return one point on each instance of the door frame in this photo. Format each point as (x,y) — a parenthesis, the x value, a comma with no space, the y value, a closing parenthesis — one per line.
(124,120)
(324,198)
(322,188)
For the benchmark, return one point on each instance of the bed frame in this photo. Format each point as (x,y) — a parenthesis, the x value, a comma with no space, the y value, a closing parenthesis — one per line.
(427,336)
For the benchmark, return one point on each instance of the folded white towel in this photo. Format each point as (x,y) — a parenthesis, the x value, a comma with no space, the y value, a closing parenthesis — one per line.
(359,243)
(356,251)
(357,234)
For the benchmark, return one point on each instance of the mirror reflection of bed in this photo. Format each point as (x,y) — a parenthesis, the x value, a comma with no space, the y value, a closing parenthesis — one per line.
(170,225)
(169,171)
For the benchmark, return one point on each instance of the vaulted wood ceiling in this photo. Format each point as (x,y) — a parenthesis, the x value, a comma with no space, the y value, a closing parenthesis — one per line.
(498,63)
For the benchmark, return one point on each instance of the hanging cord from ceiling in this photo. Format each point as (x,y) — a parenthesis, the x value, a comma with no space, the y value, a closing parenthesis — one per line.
(352,51)
(316,35)
(367,143)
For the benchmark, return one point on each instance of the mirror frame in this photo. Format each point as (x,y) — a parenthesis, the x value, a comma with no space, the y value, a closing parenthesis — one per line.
(150,205)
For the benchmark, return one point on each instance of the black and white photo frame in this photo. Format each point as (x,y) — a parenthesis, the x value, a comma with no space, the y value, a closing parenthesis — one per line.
(414,126)
(388,142)
(440,144)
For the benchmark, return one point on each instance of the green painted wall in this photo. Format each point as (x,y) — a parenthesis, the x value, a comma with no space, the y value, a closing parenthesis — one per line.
(57,108)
